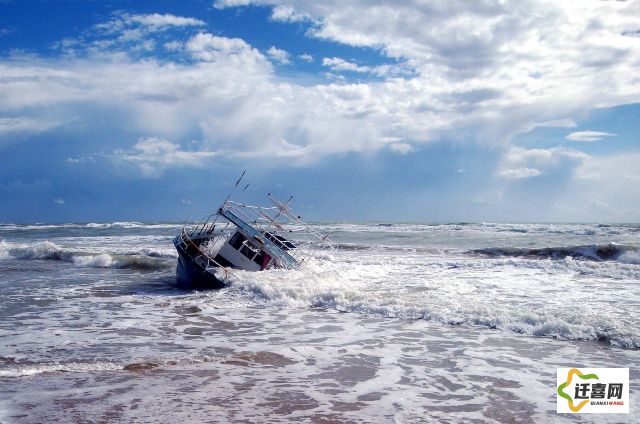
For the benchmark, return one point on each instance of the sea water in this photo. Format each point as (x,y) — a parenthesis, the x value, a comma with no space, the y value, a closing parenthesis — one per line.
(403,323)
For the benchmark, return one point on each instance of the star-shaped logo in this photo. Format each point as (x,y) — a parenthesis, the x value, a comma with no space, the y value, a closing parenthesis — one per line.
(570,374)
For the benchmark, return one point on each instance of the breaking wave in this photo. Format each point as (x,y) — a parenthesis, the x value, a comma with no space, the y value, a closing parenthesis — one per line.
(144,259)
(510,296)
(90,225)
(548,324)
(127,224)
(594,252)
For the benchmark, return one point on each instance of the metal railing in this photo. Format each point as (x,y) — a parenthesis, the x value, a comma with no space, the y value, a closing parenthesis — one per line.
(185,241)
(272,221)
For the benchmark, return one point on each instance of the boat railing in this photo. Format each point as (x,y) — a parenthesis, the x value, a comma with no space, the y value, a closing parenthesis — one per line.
(272,220)
(210,263)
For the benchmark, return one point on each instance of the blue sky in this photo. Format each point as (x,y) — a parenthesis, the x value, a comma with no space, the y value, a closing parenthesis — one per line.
(363,110)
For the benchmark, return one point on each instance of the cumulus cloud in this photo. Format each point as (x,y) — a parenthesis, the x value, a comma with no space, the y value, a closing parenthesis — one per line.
(588,136)
(122,22)
(156,20)
(604,188)
(282,13)
(401,148)
(278,55)
(519,163)
(126,32)
(306,57)
(338,65)
(540,60)
(153,155)
(211,48)
(478,72)
(518,173)
(59,201)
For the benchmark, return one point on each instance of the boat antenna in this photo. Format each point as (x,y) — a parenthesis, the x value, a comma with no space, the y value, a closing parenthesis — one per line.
(188,219)
(235,186)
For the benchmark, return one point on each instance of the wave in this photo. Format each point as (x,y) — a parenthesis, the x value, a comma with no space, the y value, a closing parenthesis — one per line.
(144,259)
(17,369)
(548,324)
(479,292)
(10,367)
(128,224)
(90,225)
(594,252)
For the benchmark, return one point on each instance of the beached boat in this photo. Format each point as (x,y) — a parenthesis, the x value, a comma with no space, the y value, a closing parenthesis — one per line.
(244,237)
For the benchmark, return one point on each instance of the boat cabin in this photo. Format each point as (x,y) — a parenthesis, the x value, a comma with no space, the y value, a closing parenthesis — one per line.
(242,253)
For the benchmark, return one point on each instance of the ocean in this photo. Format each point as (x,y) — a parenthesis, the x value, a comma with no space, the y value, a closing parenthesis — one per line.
(462,322)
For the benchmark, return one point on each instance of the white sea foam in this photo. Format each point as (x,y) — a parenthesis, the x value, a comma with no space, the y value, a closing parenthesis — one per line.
(631,257)
(143,258)
(507,294)
(34,369)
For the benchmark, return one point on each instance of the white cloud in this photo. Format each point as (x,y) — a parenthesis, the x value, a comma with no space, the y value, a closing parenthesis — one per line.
(59,201)
(519,173)
(519,163)
(588,136)
(558,123)
(278,55)
(81,159)
(120,22)
(599,206)
(462,71)
(288,14)
(605,188)
(153,155)
(126,32)
(539,60)
(156,20)
(173,45)
(211,48)
(24,125)
(306,57)
(221,4)
(339,65)
(401,148)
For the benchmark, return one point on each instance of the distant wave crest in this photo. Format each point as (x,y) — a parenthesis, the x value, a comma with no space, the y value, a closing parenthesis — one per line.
(594,252)
(144,259)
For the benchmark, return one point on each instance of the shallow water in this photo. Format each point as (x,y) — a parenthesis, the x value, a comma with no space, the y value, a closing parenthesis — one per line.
(405,323)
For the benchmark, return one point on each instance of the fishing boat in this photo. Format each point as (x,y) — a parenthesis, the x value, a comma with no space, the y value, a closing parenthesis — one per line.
(244,237)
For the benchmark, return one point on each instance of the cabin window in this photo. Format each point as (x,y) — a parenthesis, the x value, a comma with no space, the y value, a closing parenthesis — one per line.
(280,241)
(236,240)
(259,259)
(248,250)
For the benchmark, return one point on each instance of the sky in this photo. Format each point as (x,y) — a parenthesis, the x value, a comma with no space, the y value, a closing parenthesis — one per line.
(398,110)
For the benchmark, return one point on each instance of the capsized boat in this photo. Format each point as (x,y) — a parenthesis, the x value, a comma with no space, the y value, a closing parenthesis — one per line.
(244,237)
